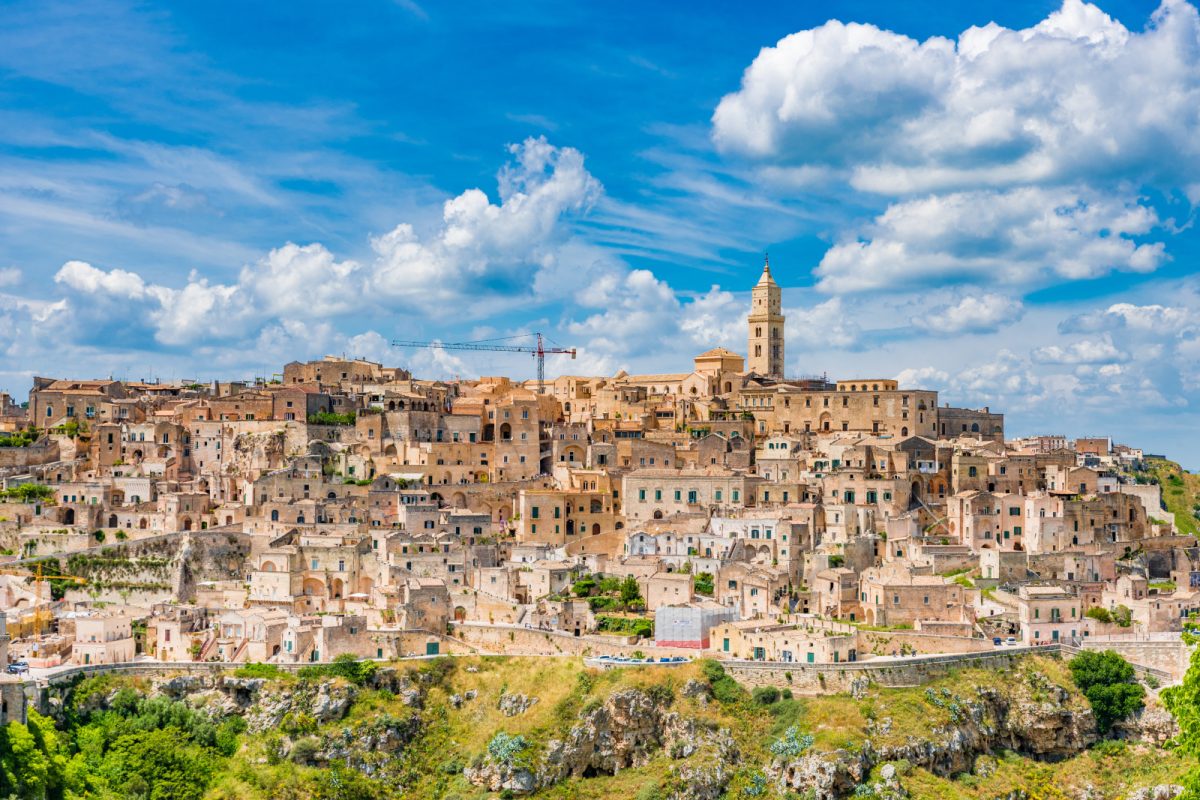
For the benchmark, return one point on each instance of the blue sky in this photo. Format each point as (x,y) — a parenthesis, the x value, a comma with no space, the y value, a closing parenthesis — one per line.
(995,200)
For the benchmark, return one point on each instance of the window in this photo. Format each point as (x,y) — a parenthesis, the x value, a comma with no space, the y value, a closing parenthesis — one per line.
(642,494)
(533,512)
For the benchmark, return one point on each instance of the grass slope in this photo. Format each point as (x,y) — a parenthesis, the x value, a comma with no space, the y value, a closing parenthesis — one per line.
(453,737)
(1180,491)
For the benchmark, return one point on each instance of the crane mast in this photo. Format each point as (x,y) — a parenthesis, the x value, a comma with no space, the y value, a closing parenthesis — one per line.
(538,351)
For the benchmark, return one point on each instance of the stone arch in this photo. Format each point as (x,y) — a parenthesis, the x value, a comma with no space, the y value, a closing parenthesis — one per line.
(460,613)
(904,431)
(570,527)
(228,519)
(269,566)
(143,524)
(505,432)
(658,514)
(186,522)
(112,520)
(825,421)
(596,529)
(312,587)
(458,500)
(69,517)
(338,588)
(274,515)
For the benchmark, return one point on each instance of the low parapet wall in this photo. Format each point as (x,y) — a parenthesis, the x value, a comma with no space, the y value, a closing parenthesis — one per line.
(514,640)
(893,672)
(1163,659)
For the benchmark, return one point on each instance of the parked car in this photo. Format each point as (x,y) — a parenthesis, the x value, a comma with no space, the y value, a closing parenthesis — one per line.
(18,669)
(1011,641)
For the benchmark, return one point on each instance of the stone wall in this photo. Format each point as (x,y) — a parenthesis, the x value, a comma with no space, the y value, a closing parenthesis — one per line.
(900,672)
(1170,657)
(882,643)
(517,641)
(43,451)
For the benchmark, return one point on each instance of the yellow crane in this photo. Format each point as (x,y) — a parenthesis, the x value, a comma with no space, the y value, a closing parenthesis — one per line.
(40,577)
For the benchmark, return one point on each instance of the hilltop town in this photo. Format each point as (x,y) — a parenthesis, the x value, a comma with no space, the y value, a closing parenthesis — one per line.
(729,511)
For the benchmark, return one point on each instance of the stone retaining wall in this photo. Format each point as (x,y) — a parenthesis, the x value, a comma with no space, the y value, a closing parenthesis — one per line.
(900,672)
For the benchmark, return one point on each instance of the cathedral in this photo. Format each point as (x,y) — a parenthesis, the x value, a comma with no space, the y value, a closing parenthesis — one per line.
(765,351)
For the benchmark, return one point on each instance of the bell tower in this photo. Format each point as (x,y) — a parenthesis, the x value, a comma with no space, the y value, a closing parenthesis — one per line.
(765,354)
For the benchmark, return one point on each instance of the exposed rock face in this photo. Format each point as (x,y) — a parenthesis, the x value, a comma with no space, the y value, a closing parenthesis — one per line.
(497,778)
(1152,725)
(1032,716)
(1164,791)
(627,730)
(513,704)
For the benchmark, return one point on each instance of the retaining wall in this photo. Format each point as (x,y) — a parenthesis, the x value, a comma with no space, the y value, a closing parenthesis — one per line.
(900,672)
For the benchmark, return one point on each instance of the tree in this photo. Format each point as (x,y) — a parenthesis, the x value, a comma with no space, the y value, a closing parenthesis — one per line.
(630,593)
(158,764)
(1183,701)
(1109,684)
(704,584)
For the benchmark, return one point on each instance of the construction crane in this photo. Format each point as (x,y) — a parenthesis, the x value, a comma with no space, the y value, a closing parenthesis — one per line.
(39,578)
(540,351)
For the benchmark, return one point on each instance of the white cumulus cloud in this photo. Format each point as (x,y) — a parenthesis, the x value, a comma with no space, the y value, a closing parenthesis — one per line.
(971,314)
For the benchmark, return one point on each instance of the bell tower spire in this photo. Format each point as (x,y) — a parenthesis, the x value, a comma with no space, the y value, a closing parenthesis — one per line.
(766,325)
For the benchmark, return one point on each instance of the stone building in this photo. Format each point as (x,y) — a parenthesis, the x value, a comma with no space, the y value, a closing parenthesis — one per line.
(766,327)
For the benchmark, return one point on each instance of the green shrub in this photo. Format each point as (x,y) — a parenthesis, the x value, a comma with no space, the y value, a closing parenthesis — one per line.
(765,695)
(328,418)
(304,751)
(792,743)
(506,749)
(257,670)
(724,688)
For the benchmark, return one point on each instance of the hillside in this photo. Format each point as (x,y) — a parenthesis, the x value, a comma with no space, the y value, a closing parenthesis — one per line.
(1180,491)
(485,727)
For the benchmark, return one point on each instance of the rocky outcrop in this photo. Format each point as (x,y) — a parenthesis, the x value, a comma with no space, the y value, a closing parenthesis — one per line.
(513,704)
(625,731)
(1152,725)
(1032,716)
(1163,791)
